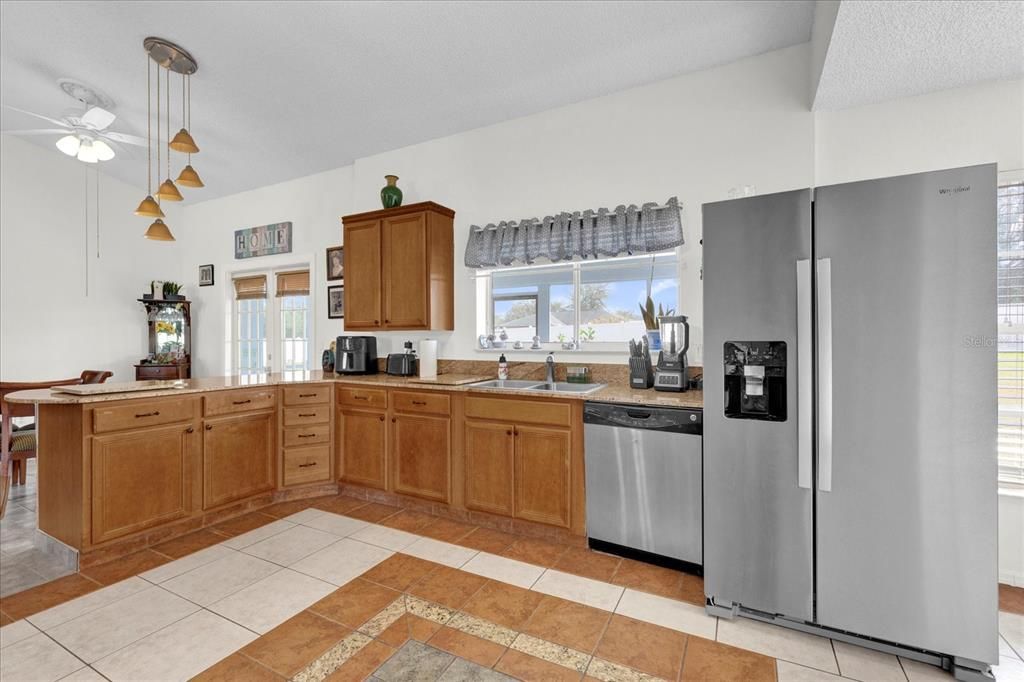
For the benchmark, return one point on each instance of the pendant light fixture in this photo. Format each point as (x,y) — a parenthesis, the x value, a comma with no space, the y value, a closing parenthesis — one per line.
(182,141)
(148,207)
(158,230)
(188,176)
(168,190)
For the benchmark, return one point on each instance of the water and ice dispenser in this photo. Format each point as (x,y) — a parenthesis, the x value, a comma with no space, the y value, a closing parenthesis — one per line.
(755,380)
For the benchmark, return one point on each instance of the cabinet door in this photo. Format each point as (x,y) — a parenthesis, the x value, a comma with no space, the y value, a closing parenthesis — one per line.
(542,474)
(421,455)
(238,457)
(363,442)
(363,275)
(141,479)
(489,456)
(406,289)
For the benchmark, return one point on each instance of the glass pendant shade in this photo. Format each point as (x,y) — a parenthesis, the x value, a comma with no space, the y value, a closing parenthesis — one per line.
(158,231)
(189,177)
(103,150)
(69,144)
(87,154)
(183,142)
(148,208)
(168,191)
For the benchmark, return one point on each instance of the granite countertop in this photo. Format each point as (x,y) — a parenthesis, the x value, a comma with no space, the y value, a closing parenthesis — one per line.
(611,393)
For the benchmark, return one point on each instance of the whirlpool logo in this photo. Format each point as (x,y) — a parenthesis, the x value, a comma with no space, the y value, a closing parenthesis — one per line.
(955,190)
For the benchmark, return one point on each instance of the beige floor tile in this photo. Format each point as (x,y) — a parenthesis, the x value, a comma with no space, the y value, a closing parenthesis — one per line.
(214,581)
(342,561)
(257,534)
(69,610)
(84,675)
(39,659)
(867,665)
(1009,669)
(266,604)
(304,516)
(667,613)
(177,652)
(382,536)
(108,629)
(1011,627)
(336,524)
(575,588)
(773,640)
(922,672)
(185,564)
(440,552)
(791,672)
(294,544)
(518,573)
(15,632)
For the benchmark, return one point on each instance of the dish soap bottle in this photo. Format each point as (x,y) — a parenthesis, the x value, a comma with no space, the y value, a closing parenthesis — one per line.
(502,368)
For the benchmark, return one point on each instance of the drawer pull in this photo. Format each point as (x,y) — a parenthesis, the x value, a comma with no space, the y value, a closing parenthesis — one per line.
(147,414)
(307,414)
(307,464)
(419,402)
(241,402)
(307,435)
(307,395)
(361,397)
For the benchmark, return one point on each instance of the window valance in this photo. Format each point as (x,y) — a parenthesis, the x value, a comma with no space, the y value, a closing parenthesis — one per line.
(579,235)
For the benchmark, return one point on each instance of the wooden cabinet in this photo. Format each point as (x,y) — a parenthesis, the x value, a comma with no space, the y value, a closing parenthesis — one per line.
(421,455)
(542,474)
(140,479)
(362,442)
(489,467)
(399,268)
(238,457)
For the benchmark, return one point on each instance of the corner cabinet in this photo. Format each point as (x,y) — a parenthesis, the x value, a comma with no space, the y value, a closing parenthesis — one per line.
(399,268)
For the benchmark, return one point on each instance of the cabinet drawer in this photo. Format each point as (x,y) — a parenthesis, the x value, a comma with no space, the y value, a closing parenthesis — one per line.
(519,411)
(307,465)
(307,435)
(147,372)
(142,414)
(306,395)
(312,414)
(247,400)
(431,403)
(363,397)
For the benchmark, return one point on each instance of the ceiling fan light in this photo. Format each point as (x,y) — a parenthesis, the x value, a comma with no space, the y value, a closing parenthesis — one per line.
(183,142)
(189,177)
(148,208)
(103,150)
(168,191)
(159,232)
(69,144)
(87,154)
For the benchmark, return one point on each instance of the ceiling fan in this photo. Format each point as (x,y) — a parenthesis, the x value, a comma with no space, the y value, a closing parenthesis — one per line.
(85,133)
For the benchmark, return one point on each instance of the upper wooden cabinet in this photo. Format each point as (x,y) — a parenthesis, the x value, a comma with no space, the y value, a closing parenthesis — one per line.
(399,268)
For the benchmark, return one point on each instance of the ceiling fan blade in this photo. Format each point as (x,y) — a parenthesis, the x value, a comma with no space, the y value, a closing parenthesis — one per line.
(98,118)
(37,131)
(124,138)
(32,113)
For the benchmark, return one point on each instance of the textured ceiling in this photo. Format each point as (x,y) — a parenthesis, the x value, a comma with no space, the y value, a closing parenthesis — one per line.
(286,89)
(886,49)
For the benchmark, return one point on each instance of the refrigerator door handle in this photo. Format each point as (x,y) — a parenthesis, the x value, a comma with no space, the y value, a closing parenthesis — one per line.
(824,267)
(805,380)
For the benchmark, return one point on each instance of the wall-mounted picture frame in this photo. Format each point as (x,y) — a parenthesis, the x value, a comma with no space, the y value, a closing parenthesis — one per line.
(336,302)
(206,275)
(335,263)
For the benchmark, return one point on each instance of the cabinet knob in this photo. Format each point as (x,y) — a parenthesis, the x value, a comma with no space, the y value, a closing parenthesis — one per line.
(382,418)
(209,427)
(509,432)
(393,420)
(190,430)
(376,321)
(387,321)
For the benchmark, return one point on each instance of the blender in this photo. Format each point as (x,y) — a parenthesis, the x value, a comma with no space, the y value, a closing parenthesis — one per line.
(671,372)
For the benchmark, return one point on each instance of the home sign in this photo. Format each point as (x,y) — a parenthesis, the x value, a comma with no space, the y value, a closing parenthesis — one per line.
(265,240)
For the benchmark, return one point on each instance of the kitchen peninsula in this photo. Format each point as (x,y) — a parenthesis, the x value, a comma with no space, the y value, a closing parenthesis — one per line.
(125,470)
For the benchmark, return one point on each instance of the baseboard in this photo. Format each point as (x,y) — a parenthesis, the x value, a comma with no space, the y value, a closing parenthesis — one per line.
(1013,579)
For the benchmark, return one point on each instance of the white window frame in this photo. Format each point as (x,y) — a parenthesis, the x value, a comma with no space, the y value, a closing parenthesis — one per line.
(485,316)
(274,319)
(1010,376)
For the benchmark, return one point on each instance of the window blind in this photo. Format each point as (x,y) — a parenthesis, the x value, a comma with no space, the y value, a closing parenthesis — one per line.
(293,283)
(1010,297)
(250,287)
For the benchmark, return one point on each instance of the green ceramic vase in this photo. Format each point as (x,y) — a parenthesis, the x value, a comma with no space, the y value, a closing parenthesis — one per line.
(390,194)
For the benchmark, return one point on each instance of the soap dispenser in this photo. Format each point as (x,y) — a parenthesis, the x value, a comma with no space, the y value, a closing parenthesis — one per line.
(502,368)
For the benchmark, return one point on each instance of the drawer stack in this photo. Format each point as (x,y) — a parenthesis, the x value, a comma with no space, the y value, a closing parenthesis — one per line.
(306,434)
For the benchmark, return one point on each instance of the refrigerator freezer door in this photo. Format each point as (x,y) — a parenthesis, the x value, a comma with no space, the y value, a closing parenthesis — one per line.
(757,517)
(906,537)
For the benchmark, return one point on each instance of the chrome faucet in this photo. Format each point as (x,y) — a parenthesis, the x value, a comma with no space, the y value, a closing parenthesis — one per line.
(550,362)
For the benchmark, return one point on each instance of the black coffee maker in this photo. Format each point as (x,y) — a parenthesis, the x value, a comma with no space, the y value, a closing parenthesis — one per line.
(355,355)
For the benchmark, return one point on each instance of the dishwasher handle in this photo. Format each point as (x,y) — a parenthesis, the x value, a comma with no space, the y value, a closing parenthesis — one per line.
(673,420)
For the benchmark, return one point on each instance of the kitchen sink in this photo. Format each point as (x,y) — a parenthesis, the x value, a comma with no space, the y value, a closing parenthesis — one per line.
(539,386)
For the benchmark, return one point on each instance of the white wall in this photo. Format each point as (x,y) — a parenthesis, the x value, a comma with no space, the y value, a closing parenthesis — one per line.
(50,327)
(695,136)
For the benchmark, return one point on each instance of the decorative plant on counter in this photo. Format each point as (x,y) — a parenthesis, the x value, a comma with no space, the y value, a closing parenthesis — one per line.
(651,315)
(171,290)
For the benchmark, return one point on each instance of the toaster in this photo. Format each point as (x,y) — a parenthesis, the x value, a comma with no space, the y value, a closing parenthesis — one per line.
(402,364)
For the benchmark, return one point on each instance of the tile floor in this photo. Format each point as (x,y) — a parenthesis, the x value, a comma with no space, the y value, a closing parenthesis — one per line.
(336,589)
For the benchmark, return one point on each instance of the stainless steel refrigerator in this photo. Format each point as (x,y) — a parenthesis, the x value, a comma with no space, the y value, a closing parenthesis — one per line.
(850,413)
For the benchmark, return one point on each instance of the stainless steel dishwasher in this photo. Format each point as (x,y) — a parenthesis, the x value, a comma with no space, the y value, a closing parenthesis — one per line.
(644,481)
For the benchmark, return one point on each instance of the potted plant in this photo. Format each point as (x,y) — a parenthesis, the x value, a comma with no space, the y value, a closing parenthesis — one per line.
(171,290)
(651,316)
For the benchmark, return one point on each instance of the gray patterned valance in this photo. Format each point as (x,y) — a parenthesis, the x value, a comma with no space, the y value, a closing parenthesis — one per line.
(573,236)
